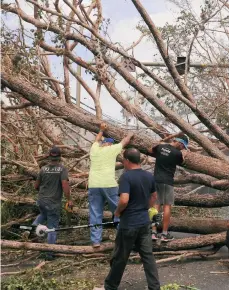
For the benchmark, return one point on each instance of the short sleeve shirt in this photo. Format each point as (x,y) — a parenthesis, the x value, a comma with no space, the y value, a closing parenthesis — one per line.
(140,185)
(167,158)
(50,189)
(102,169)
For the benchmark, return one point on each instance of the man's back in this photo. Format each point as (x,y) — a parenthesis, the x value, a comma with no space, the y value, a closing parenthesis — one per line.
(140,185)
(102,169)
(50,189)
(167,158)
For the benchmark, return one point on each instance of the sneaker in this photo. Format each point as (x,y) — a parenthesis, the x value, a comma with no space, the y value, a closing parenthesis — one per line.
(166,238)
(154,236)
(96,246)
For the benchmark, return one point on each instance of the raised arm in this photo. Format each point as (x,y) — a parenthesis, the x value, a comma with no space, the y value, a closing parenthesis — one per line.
(99,136)
(125,141)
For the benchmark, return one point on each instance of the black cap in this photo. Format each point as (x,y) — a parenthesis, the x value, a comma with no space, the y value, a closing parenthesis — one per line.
(54,153)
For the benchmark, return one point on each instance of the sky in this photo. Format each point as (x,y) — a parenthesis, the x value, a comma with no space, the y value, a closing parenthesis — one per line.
(123,17)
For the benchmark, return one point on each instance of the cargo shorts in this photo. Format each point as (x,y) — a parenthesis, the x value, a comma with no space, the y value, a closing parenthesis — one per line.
(165,194)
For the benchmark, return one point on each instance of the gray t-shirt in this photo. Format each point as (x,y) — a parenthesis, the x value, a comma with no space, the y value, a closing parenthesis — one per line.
(50,189)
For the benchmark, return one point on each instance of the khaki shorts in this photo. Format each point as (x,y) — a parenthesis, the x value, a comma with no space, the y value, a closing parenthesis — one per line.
(165,194)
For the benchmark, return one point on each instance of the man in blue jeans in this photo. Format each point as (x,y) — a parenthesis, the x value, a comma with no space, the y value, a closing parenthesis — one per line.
(51,182)
(137,195)
(102,184)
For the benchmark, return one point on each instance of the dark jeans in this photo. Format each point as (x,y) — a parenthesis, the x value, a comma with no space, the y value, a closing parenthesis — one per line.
(124,243)
(51,215)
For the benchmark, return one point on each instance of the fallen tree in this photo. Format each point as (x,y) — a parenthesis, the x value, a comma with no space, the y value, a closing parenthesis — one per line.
(176,245)
(195,200)
(203,200)
(197,225)
(35,93)
(183,199)
(208,165)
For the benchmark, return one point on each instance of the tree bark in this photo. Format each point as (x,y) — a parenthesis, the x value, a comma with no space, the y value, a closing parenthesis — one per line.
(55,248)
(203,200)
(208,165)
(21,220)
(192,242)
(176,245)
(197,226)
(195,200)
(202,179)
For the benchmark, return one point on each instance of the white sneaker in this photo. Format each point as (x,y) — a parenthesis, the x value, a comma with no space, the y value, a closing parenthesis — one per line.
(99,288)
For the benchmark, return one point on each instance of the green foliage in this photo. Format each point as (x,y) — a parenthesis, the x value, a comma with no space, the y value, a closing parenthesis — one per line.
(32,280)
(170,287)
(11,211)
(35,282)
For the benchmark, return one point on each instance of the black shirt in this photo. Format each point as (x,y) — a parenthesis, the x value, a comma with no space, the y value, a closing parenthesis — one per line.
(50,189)
(167,158)
(140,185)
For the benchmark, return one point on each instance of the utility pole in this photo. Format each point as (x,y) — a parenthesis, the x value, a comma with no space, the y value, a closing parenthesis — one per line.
(78,89)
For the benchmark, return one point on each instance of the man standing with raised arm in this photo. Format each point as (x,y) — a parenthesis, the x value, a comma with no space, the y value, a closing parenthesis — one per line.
(102,184)
(168,156)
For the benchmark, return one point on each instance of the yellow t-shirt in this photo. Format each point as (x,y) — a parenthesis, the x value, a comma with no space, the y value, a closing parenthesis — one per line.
(102,170)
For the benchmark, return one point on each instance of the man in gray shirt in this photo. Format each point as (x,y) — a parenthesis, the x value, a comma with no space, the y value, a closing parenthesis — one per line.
(51,182)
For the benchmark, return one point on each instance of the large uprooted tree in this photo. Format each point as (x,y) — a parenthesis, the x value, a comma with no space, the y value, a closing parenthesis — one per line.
(39,110)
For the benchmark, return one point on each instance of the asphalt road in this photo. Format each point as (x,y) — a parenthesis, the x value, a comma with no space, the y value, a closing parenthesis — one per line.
(193,272)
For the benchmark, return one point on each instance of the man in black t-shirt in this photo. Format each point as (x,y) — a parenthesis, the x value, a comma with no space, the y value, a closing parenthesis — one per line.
(51,182)
(137,195)
(168,156)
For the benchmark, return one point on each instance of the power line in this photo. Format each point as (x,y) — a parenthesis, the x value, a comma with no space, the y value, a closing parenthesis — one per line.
(108,116)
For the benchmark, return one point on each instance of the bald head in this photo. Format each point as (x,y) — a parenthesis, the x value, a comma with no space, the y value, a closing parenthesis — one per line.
(132,155)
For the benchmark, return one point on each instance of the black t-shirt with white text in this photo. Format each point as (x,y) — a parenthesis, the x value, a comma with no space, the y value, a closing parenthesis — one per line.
(50,189)
(167,158)
(139,184)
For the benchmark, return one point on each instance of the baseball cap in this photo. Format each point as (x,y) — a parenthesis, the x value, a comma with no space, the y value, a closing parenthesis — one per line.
(54,153)
(108,140)
(183,141)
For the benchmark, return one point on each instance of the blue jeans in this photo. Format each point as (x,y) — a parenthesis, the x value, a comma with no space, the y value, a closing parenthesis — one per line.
(51,215)
(97,198)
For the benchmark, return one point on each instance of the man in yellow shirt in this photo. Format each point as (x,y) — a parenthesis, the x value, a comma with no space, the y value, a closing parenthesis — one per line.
(102,184)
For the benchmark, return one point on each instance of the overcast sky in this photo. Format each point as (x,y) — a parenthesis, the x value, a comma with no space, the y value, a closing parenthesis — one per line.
(124,18)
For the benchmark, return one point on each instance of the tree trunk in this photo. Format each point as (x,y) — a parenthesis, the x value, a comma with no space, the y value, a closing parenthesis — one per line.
(185,225)
(192,242)
(197,225)
(202,179)
(55,248)
(195,200)
(208,165)
(203,200)
(176,245)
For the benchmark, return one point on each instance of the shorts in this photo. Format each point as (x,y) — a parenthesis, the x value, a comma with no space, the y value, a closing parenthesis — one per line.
(165,194)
